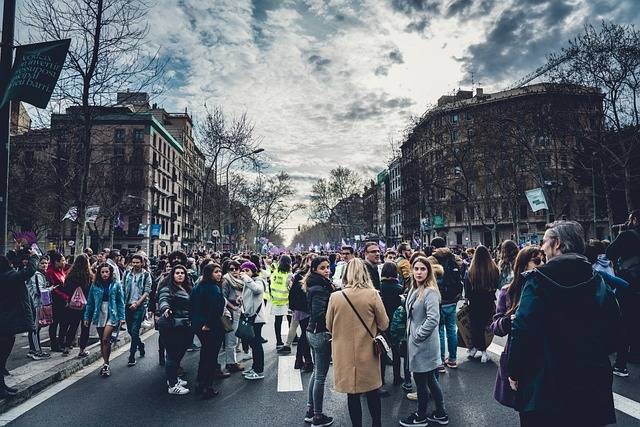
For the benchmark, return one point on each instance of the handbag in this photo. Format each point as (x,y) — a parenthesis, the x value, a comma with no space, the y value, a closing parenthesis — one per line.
(45,296)
(463,322)
(227,321)
(45,317)
(77,301)
(380,345)
(245,328)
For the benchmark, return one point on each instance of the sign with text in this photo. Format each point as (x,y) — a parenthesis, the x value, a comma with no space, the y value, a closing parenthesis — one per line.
(35,72)
(536,199)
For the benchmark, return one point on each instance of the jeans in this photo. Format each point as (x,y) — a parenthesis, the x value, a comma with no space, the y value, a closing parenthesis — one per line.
(293,330)
(256,348)
(430,380)
(448,321)
(321,352)
(134,320)
(211,342)
(230,341)
(177,341)
(374,404)
(34,341)
(69,322)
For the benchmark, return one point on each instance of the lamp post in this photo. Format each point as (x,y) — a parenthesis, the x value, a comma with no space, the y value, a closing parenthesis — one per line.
(258,151)
(149,206)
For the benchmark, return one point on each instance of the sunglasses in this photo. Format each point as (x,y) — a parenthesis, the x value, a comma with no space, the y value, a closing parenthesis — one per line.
(373,252)
(233,269)
(536,260)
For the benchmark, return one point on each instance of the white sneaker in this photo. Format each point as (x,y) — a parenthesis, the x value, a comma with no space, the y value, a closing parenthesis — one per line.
(254,376)
(178,389)
(471,353)
(247,372)
(181,382)
(485,357)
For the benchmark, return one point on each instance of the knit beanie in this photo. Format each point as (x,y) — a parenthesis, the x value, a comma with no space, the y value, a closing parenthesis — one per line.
(250,266)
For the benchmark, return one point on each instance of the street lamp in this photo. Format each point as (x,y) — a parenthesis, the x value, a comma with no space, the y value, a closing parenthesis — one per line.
(242,156)
(131,196)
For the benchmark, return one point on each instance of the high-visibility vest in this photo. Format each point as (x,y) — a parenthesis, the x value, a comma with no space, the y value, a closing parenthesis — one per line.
(279,290)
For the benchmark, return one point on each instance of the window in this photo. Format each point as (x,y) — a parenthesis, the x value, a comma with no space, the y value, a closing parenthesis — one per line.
(138,135)
(119,135)
(470,134)
(455,118)
(459,215)
(468,115)
(458,237)
(524,211)
(455,135)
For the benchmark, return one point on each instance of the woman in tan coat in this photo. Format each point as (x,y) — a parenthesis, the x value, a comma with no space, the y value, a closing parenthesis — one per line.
(356,369)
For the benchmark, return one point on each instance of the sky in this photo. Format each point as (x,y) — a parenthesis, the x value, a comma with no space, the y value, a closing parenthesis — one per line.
(332,82)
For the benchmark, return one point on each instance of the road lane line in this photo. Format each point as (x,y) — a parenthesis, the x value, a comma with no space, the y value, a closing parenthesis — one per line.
(289,378)
(34,401)
(621,403)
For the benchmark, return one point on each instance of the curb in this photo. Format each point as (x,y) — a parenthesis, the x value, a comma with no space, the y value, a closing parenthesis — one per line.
(37,383)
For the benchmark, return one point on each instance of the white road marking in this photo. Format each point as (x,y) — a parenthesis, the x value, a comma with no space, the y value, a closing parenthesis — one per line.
(621,403)
(34,401)
(289,379)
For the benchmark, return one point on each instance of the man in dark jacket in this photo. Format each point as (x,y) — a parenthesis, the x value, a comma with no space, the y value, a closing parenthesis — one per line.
(371,260)
(561,337)
(15,311)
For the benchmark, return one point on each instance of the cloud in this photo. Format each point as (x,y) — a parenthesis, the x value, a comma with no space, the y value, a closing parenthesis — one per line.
(319,63)
(373,105)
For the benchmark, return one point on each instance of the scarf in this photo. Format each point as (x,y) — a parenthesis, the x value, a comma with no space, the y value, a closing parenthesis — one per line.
(237,284)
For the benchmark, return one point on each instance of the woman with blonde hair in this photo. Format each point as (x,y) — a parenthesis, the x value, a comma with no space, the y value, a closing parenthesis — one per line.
(423,343)
(355,315)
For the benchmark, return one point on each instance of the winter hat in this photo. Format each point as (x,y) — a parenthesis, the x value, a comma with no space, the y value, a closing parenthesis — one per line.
(250,266)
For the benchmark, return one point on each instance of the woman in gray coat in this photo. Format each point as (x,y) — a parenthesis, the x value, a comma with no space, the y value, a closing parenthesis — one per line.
(423,343)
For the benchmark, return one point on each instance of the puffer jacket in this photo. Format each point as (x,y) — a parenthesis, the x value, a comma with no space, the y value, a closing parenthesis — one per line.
(297,297)
(16,314)
(318,291)
(175,299)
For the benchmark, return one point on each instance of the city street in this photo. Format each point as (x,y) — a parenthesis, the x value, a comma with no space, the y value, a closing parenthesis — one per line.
(138,395)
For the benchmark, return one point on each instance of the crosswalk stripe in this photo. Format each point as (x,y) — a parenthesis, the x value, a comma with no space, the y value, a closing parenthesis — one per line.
(289,378)
(621,403)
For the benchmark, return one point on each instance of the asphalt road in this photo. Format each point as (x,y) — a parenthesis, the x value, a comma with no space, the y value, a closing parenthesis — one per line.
(138,396)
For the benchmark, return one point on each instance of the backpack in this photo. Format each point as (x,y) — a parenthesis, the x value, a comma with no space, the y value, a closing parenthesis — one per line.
(398,326)
(451,283)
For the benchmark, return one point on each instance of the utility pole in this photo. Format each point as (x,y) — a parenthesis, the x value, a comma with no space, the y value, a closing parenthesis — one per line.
(6,60)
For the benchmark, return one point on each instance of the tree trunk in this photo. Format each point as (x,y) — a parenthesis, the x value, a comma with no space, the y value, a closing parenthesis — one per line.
(627,187)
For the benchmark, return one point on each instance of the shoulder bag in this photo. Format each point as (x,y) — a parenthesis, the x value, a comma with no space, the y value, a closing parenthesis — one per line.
(245,326)
(380,346)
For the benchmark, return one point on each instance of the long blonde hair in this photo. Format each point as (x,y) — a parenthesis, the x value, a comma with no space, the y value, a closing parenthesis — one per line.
(357,276)
(430,281)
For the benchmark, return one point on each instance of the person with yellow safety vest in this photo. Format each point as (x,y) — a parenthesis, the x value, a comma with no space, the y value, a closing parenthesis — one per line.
(279,291)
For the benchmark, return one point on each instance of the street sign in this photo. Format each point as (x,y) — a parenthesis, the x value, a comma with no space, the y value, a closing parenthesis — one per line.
(163,244)
(215,233)
(438,221)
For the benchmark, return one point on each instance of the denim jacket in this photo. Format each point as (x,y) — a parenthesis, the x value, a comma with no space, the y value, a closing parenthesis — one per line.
(116,303)
(142,282)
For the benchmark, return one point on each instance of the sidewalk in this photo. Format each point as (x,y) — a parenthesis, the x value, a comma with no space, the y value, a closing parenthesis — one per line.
(32,376)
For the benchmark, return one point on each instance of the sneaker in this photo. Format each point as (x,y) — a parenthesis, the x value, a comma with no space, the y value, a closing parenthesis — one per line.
(65,352)
(131,362)
(235,367)
(40,356)
(308,417)
(105,371)
(442,369)
(178,389)
(285,349)
(407,387)
(484,358)
(31,354)
(321,420)
(247,372)
(471,353)
(83,354)
(254,376)
(279,346)
(194,347)
(442,419)
(414,420)
(181,382)
(142,351)
(11,391)
(412,396)
(451,364)
(620,372)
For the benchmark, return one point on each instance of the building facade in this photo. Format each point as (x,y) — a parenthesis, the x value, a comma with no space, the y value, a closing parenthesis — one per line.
(466,165)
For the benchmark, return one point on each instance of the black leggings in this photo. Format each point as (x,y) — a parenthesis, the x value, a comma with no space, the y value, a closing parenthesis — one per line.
(303,352)
(396,365)
(373,402)
(278,327)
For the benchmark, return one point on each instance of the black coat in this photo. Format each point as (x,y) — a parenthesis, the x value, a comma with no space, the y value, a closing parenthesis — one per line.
(207,305)
(16,315)
(297,296)
(565,327)
(374,274)
(318,292)
(390,291)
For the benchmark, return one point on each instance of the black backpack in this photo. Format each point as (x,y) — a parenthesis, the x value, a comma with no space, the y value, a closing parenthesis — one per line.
(451,284)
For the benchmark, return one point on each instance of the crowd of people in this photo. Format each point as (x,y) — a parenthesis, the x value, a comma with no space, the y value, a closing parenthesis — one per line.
(565,306)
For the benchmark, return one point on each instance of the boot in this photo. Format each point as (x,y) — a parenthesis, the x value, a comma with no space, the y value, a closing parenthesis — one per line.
(55,346)
(299,364)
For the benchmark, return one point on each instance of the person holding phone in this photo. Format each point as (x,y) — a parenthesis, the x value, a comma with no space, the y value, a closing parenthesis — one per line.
(252,295)
(105,309)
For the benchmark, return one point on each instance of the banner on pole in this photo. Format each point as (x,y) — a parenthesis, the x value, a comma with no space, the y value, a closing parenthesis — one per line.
(35,72)
(143,230)
(91,214)
(155,230)
(536,199)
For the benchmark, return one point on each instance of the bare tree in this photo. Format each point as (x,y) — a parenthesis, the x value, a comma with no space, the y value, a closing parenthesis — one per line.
(107,56)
